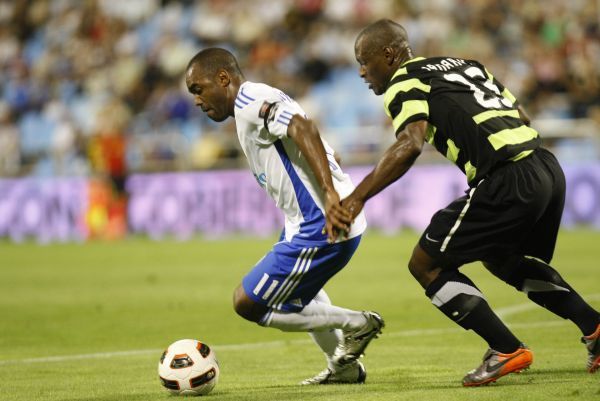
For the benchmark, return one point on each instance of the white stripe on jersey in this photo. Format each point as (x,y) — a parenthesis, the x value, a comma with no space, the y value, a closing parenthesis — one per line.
(294,279)
(459,220)
(297,279)
(270,289)
(301,267)
(278,292)
(269,163)
(260,284)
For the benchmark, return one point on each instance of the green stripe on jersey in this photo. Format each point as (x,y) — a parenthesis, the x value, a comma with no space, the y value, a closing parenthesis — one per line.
(412,60)
(403,86)
(430,133)
(506,93)
(470,170)
(521,155)
(409,109)
(402,70)
(512,136)
(486,115)
(399,71)
(452,152)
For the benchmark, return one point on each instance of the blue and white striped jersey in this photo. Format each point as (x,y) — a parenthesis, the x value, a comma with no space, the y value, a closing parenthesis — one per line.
(262,116)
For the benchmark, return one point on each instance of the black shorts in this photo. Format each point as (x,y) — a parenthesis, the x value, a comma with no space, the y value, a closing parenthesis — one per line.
(516,210)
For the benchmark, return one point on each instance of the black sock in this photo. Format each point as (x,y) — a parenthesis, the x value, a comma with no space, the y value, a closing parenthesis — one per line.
(544,286)
(457,297)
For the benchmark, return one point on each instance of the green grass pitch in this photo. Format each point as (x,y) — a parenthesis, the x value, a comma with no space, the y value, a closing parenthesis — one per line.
(89,322)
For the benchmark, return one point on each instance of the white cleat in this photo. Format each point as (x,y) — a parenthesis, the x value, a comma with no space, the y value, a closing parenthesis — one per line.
(356,341)
(351,373)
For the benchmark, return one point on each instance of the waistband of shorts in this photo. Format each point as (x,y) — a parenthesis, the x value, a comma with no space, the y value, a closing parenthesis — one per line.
(508,163)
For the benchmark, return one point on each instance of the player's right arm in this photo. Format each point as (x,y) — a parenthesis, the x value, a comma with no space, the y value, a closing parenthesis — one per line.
(305,134)
(524,116)
(282,118)
(396,161)
(508,95)
(406,103)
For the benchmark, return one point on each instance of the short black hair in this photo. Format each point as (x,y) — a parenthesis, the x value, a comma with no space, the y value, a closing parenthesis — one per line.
(213,59)
(384,32)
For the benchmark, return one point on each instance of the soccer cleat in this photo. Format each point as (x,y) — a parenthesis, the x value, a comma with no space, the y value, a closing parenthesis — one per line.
(592,343)
(353,373)
(356,341)
(495,365)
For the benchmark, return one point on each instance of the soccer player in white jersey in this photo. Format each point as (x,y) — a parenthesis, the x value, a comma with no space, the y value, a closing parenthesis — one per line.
(298,170)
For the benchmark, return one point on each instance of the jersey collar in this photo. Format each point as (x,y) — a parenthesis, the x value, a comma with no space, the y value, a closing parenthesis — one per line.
(412,60)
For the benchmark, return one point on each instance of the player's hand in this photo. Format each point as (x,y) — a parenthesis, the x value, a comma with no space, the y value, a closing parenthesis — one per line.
(353,205)
(337,218)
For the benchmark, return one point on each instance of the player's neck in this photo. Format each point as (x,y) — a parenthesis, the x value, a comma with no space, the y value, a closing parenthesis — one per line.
(234,88)
(406,56)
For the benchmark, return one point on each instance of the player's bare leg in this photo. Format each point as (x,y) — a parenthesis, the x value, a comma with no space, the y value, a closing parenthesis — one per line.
(314,316)
(327,324)
(457,297)
(246,307)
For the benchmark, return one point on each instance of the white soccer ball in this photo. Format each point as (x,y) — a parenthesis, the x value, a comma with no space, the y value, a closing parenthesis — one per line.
(188,367)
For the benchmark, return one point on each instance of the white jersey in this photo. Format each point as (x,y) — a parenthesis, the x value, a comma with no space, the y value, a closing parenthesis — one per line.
(262,116)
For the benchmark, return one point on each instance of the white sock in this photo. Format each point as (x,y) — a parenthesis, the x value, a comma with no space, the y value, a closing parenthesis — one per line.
(327,340)
(323,321)
(316,316)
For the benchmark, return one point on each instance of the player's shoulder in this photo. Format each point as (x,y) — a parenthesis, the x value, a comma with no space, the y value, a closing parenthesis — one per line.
(249,98)
(252,95)
(246,95)
(412,68)
(424,65)
(255,91)
(256,101)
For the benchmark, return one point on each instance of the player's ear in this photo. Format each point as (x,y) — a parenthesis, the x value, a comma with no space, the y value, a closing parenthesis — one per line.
(223,78)
(389,54)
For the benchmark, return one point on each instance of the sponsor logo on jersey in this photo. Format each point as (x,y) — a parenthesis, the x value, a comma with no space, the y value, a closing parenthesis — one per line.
(262,112)
(261,179)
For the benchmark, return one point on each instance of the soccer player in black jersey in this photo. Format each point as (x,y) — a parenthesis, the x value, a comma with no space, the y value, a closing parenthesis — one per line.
(510,215)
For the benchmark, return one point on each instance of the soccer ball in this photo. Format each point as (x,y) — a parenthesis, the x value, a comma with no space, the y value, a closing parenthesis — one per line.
(188,367)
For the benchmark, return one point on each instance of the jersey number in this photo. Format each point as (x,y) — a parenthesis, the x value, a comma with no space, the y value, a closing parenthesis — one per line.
(478,77)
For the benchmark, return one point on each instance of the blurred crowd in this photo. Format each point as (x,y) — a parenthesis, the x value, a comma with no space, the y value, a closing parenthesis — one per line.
(95,87)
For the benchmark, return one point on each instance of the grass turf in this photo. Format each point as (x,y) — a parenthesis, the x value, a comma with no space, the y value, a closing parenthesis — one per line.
(100,314)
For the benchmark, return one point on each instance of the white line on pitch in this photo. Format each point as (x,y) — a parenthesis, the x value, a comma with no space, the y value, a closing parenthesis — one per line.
(514,309)
(502,312)
(246,346)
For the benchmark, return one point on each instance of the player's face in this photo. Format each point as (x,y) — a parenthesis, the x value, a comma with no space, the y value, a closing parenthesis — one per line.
(209,93)
(372,67)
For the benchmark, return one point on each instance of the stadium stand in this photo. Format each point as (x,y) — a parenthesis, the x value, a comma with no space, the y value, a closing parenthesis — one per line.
(73,74)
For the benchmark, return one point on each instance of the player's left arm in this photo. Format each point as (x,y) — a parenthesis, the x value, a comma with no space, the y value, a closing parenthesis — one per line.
(396,161)
(508,95)
(504,92)
(524,116)
(305,134)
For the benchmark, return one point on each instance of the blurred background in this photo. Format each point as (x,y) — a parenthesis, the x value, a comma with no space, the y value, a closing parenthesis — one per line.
(99,137)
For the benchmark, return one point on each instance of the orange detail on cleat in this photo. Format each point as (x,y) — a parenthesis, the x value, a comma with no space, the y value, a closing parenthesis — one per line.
(495,365)
(592,343)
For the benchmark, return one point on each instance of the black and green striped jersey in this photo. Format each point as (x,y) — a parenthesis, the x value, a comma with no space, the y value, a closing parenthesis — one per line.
(473,120)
